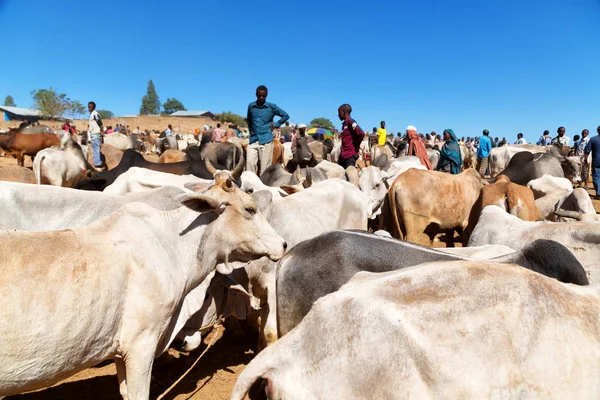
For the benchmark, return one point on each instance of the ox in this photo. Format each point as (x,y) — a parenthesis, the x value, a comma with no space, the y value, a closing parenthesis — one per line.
(319,266)
(459,329)
(131,158)
(495,226)
(557,194)
(123,142)
(418,218)
(171,156)
(500,156)
(61,167)
(20,144)
(137,180)
(15,173)
(525,166)
(139,286)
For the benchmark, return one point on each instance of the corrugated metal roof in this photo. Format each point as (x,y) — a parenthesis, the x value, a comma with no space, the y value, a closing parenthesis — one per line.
(25,112)
(190,113)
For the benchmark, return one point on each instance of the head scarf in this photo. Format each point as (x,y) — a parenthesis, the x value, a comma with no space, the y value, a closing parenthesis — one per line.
(416,147)
(450,154)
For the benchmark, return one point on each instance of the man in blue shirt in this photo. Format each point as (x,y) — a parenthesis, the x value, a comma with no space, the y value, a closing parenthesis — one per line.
(261,125)
(483,152)
(593,147)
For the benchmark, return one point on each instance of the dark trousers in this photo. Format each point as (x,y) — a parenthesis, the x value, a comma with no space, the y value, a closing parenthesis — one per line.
(596,178)
(347,162)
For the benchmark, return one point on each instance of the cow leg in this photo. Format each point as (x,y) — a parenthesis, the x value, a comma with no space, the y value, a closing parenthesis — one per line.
(122,377)
(138,367)
(415,230)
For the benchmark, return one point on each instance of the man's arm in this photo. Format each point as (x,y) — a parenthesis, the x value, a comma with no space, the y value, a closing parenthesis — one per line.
(99,121)
(280,113)
(249,119)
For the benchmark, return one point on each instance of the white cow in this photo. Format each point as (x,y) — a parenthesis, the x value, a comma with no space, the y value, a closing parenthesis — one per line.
(500,156)
(137,179)
(119,141)
(328,205)
(496,226)
(43,208)
(251,183)
(139,282)
(557,194)
(459,329)
(331,170)
(61,167)
(287,153)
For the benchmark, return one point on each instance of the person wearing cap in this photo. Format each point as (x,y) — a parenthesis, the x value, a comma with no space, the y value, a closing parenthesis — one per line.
(483,152)
(416,147)
(301,132)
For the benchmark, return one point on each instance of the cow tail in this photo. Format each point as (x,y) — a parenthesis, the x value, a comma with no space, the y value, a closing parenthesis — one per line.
(394,210)
(234,163)
(38,171)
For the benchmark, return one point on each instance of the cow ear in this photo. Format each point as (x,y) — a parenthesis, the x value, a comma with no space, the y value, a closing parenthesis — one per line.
(203,203)
(197,186)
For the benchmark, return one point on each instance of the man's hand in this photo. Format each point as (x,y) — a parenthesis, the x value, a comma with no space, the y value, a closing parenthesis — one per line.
(272,127)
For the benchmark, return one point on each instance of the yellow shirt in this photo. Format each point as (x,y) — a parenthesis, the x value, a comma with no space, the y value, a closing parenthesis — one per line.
(381,136)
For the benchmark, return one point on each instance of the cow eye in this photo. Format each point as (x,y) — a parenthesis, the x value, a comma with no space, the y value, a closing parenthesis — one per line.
(377,185)
(251,210)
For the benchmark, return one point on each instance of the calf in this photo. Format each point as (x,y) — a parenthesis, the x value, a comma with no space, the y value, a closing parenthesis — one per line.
(61,167)
(27,144)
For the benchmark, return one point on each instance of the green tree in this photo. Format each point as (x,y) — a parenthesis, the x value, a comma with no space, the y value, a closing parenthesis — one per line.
(50,103)
(228,116)
(172,105)
(321,123)
(150,102)
(75,109)
(105,114)
(9,101)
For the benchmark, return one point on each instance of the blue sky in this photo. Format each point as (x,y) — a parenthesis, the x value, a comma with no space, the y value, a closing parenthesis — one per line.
(508,66)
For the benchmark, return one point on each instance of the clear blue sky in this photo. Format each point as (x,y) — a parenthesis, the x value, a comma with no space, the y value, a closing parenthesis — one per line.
(509,66)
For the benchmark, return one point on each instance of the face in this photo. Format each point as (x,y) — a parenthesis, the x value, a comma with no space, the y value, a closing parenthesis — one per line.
(90,107)
(585,133)
(446,136)
(561,132)
(341,114)
(261,97)
(383,125)
(302,131)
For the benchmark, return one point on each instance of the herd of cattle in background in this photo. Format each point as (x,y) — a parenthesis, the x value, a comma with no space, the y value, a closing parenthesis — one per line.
(124,263)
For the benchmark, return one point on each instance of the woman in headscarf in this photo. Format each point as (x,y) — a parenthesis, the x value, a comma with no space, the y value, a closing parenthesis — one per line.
(450,158)
(416,147)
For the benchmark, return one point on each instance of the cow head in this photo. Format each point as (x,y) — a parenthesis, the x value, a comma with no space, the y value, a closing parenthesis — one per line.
(372,183)
(571,167)
(237,231)
(305,183)
(234,175)
(303,155)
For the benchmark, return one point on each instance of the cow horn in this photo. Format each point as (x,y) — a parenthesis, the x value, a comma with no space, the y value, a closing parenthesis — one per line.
(298,174)
(308,181)
(209,167)
(568,214)
(239,168)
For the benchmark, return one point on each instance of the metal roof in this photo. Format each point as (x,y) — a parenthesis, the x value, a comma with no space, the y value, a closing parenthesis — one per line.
(190,113)
(25,112)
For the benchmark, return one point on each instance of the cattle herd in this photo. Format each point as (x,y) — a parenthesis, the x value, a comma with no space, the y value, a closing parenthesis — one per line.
(335,266)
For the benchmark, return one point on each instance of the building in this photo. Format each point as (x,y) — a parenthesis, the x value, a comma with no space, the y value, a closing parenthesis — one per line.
(193,114)
(20,114)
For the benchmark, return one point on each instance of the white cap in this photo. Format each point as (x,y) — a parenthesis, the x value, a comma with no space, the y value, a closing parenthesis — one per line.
(301,126)
(411,128)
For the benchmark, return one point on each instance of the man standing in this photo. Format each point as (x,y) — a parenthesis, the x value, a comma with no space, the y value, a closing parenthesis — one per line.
(169,131)
(381,134)
(580,151)
(261,126)
(545,139)
(217,135)
(483,152)
(593,147)
(301,133)
(95,132)
(520,139)
(561,138)
(352,136)
(285,132)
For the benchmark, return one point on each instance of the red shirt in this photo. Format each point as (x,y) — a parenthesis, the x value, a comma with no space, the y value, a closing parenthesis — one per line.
(352,136)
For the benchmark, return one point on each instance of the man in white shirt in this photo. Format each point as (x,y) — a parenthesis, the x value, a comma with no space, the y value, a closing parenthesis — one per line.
(169,131)
(520,139)
(95,133)
(561,138)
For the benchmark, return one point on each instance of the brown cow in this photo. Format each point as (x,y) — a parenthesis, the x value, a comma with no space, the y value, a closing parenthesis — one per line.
(15,173)
(277,152)
(515,199)
(27,144)
(171,156)
(423,203)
